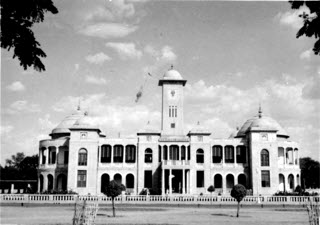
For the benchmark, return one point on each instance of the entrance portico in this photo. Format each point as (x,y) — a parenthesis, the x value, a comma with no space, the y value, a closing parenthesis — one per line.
(175,181)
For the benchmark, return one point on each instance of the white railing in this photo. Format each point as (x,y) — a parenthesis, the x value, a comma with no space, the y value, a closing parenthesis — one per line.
(65,199)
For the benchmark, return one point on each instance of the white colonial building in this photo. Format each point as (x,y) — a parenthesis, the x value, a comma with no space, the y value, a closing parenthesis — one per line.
(80,158)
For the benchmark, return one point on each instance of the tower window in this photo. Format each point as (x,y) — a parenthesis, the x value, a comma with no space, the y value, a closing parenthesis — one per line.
(173,125)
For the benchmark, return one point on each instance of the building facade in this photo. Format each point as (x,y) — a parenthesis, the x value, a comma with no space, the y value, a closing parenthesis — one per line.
(80,158)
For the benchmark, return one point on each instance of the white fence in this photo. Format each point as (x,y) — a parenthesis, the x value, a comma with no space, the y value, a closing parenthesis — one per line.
(179,199)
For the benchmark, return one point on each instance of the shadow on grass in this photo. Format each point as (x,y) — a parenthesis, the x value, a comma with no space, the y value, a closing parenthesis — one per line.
(226,215)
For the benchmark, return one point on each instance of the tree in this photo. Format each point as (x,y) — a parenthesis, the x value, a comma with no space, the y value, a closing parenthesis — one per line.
(113,190)
(311,22)
(17,18)
(310,173)
(15,160)
(238,192)
(211,189)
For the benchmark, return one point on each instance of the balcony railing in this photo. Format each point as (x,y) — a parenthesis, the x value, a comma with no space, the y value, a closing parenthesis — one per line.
(175,162)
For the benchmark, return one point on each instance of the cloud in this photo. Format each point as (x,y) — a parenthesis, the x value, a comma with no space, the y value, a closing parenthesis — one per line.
(45,123)
(108,30)
(306,54)
(125,50)
(111,11)
(161,58)
(98,58)
(112,115)
(291,18)
(16,86)
(96,80)
(311,90)
(6,129)
(22,106)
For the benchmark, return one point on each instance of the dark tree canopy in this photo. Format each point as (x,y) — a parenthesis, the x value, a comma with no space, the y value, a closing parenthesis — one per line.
(238,192)
(15,160)
(310,173)
(211,188)
(113,189)
(17,18)
(311,26)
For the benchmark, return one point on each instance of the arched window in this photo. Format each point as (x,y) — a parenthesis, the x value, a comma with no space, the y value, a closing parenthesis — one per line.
(165,152)
(130,154)
(216,154)
(200,156)
(289,155)
(118,153)
(183,152)
(41,184)
(82,159)
(229,154)
(264,157)
(106,153)
(43,153)
(148,156)
(241,154)
(174,152)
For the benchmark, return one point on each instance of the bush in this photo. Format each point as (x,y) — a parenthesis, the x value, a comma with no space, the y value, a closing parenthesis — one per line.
(211,189)
(238,192)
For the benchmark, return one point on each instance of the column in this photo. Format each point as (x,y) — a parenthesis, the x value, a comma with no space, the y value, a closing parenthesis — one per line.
(45,183)
(163,191)
(39,181)
(183,182)
(223,160)
(235,156)
(40,156)
(124,155)
(112,148)
(293,156)
(57,154)
(224,184)
(47,157)
(179,150)
(170,181)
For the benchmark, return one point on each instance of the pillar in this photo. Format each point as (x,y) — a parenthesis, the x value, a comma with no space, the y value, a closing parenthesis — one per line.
(235,156)
(112,149)
(224,184)
(183,182)
(170,181)
(12,188)
(57,154)
(40,156)
(47,156)
(223,160)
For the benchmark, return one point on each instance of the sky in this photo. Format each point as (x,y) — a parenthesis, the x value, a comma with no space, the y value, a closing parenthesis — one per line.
(234,55)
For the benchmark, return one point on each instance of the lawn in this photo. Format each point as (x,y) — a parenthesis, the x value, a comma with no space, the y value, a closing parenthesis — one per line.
(156,214)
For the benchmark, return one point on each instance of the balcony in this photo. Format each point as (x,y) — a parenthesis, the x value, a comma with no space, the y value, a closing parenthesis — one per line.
(175,162)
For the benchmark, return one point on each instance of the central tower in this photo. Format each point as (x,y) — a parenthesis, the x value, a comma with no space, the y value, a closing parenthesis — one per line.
(172,103)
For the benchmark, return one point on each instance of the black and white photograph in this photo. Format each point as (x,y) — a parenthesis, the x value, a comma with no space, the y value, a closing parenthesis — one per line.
(152,112)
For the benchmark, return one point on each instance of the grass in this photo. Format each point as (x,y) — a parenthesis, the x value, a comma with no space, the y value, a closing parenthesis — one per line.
(157,214)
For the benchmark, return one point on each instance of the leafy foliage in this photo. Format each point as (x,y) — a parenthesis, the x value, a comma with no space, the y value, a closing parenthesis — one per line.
(17,18)
(211,188)
(310,173)
(113,190)
(15,160)
(238,192)
(311,26)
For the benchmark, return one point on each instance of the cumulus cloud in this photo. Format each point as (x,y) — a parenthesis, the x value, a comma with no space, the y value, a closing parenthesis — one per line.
(45,123)
(306,54)
(291,18)
(96,80)
(22,106)
(112,115)
(125,50)
(98,58)
(107,30)
(111,11)
(168,54)
(16,86)
(311,90)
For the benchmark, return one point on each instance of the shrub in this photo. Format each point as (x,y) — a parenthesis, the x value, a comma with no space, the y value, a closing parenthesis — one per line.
(238,192)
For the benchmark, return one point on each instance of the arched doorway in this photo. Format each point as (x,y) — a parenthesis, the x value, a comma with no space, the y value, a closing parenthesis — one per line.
(50,182)
(281,182)
(105,179)
(218,181)
(130,181)
(41,183)
(242,179)
(118,178)
(230,181)
(62,182)
(291,182)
